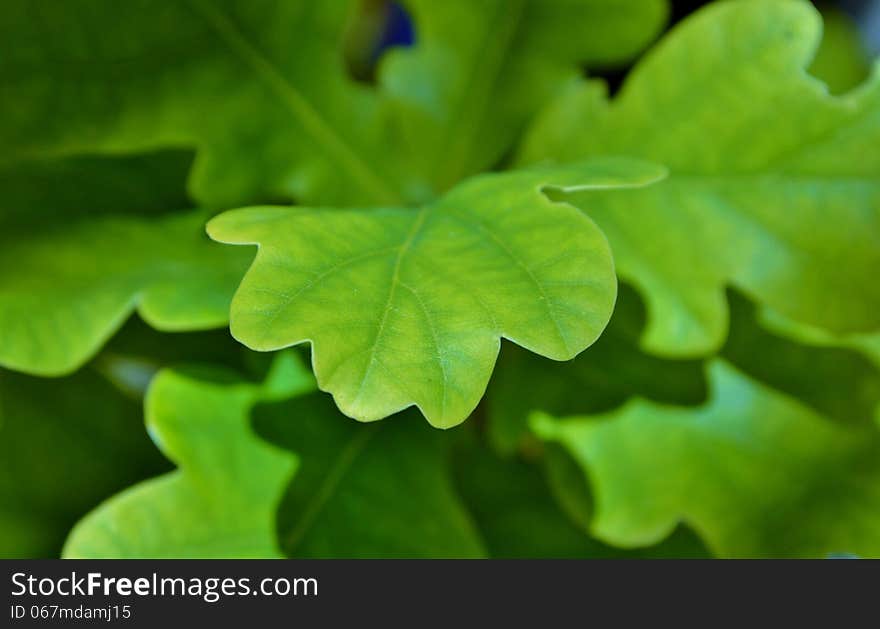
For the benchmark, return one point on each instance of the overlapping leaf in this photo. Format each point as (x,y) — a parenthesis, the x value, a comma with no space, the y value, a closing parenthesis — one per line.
(221,500)
(775,187)
(407,307)
(599,379)
(87,241)
(65,445)
(774,184)
(381,491)
(357,491)
(259,87)
(516,515)
(842,386)
(754,472)
(481,68)
(836,378)
(137,352)
(255,86)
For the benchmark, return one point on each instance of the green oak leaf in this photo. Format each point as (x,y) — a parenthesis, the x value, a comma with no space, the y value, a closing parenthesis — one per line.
(259,88)
(602,377)
(256,86)
(515,513)
(407,307)
(87,241)
(480,69)
(774,183)
(753,472)
(221,501)
(360,491)
(839,383)
(65,445)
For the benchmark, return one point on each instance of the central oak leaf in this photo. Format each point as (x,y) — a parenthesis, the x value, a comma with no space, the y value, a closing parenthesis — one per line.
(407,307)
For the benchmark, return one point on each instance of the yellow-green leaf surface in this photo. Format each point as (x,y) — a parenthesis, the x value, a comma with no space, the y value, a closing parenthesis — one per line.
(259,88)
(774,184)
(407,307)
(753,472)
(221,501)
(85,242)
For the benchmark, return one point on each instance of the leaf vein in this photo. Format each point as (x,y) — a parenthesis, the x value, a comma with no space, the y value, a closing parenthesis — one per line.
(322,132)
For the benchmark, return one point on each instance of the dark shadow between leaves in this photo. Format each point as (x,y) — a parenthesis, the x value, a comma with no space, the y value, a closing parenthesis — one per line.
(513,504)
(66,444)
(382,489)
(600,379)
(839,383)
(51,193)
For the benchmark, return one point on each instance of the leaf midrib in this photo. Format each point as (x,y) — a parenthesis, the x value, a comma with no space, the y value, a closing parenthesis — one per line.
(347,456)
(416,228)
(315,125)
